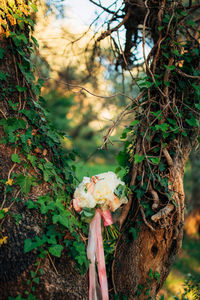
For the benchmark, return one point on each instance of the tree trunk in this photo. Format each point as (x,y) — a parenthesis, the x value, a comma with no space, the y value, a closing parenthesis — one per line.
(60,279)
(141,266)
(156,206)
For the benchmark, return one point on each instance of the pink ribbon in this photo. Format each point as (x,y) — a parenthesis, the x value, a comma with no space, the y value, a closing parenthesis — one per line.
(95,251)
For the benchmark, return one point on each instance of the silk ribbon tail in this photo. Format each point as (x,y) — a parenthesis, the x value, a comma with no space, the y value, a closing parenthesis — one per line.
(91,252)
(107,217)
(100,258)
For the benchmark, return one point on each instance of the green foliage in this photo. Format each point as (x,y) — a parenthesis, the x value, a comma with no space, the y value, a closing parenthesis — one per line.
(38,144)
(56,250)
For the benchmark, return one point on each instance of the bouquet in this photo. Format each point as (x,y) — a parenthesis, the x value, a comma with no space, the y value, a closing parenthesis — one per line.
(95,198)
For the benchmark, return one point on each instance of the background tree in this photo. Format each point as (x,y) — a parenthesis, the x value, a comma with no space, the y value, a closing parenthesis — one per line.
(35,175)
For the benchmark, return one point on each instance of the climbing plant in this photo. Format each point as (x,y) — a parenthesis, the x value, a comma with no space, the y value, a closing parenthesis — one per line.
(37,163)
(39,229)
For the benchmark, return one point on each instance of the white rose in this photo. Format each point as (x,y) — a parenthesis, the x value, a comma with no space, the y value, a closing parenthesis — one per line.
(84,198)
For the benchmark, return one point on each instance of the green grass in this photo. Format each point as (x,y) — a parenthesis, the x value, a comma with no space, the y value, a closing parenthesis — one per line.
(89,169)
(187,262)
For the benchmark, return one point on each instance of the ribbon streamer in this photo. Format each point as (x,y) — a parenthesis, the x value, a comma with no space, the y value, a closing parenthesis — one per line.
(95,252)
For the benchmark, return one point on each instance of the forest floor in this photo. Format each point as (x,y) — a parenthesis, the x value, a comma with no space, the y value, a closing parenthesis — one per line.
(187,262)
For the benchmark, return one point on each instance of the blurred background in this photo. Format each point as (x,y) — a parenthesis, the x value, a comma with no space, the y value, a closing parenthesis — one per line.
(84,91)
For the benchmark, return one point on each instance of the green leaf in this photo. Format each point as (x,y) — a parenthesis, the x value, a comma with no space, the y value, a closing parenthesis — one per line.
(21,88)
(160,28)
(157,114)
(3,76)
(171,68)
(175,51)
(88,212)
(35,41)
(25,182)
(2,214)
(163,127)
(197,105)
(121,191)
(1,53)
(63,218)
(138,158)
(15,158)
(135,122)
(134,233)
(147,84)
(183,13)
(122,158)
(32,159)
(23,38)
(13,105)
(167,83)
(34,7)
(191,22)
(154,160)
(56,250)
(151,273)
(157,276)
(192,121)
(36,280)
(29,245)
(33,274)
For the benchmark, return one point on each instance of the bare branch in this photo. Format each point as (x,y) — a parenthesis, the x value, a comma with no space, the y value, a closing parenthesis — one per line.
(145,221)
(163,213)
(104,8)
(108,32)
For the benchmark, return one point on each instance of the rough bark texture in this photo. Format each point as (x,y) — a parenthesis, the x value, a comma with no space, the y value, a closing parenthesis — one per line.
(60,280)
(153,250)
(159,238)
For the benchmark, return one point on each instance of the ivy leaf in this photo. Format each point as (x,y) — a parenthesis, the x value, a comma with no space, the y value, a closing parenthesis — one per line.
(1,53)
(29,245)
(175,51)
(157,276)
(3,76)
(56,250)
(25,182)
(197,105)
(13,105)
(121,191)
(171,68)
(2,214)
(138,158)
(21,88)
(135,122)
(32,159)
(192,121)
(163,127)
(160,28)
(35,41)
(64,219)
(22,37)
(15,158)
(122,158)
(134,233)
(36,280)
(154,160)
(34,7)
(81,255)
(157,114)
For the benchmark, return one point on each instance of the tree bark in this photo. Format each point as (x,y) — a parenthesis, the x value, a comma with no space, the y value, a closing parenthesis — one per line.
(60,279)
(140,266)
